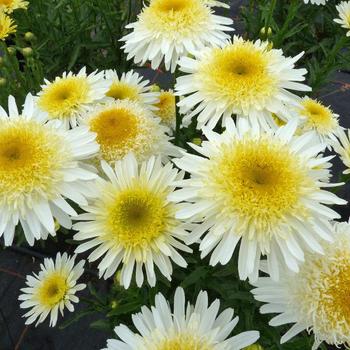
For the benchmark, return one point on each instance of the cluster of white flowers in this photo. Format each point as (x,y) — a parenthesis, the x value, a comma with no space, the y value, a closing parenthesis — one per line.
(102,144)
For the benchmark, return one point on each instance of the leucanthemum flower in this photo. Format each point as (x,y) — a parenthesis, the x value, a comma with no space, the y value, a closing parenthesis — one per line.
(317,298)
(52,290)
(316,116)
(344,15)
(68,98)
(125,126)
(342,147)
(7,26)
(169,29)
(39,168)
(185,327)
(243,78)
(132,223)
(166,108)
(262,189)
(131,86)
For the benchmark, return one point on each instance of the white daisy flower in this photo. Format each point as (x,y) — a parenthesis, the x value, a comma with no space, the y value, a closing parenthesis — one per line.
(132,222)
(315,299)
(124,126)
(261,188)
(185,327)
(69,97)
(39,168)
(52,290)
(243,78)
(131,86)
(342,147)
(316,116)
(169,29)
(344,15)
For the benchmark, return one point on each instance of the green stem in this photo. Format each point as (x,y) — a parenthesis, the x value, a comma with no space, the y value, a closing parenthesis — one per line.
(269,17)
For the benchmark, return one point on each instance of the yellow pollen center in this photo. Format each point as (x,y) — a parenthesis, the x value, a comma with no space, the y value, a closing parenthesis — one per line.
(53,290)
(122,91)
(166,107)
(175,18)
(65,97)
(6,2)
(30,155)
(260,182)
(184,342)
(239,76)
(116,129)
(136,217)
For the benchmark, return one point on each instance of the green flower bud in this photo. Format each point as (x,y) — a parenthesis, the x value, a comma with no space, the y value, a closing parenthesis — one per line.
(29,36)
(11,50)
(27,52)
(3,82)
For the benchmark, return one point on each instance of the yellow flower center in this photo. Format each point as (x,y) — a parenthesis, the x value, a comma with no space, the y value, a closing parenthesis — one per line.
(318,116)
(260,182)
(65,97)
(53,290)
(116,129)
(175,18)
(184,342)
(238,75)
(122,91)
(166,107)
(30,158)
(6,2)
(135,217)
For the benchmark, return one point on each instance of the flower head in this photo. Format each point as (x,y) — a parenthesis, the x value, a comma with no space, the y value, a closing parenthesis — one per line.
(131,86)
(8,6)
(125,126)
(316,116)
(68,98)
(169,29)
(344,15)
(261,188)
(186,327)
(7,26)
(39,168)
(243,78)
(52,290)
(317,298)
(132,222)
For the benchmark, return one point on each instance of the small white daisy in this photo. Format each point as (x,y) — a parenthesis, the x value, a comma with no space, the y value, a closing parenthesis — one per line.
(344,15)
(243,78)
(262,189)
(317,298)
(131,86)
(69,97)
(125,126)
(131,221)
(316,116)
(52,290)
(185,327)
(39,169)
(169,29)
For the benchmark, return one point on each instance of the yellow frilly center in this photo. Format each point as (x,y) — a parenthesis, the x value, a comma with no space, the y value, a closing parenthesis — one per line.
(65,97)
(261,183)
(175,18)
(11,5)
(238,75)
(53,290)
(121,91)
(135,217)
(184,342)
(166,107)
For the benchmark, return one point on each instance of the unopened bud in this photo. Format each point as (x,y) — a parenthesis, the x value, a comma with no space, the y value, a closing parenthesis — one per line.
(29,36)
(11,50)
(155,88)
(3,81)
(27,52)
(197,141)
(254,347)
